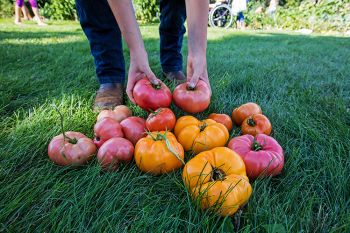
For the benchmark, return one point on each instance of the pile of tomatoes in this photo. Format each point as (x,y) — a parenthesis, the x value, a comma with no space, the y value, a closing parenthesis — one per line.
(216,175)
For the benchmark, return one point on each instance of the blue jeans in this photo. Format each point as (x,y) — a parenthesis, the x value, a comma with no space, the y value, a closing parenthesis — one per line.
(103,33)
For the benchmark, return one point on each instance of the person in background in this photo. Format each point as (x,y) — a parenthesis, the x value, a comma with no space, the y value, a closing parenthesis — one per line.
(272,9)
(104,22)
(238,6)
(34,5)
(25,12)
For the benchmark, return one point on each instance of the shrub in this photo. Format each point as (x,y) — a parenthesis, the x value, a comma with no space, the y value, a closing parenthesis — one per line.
(146,11)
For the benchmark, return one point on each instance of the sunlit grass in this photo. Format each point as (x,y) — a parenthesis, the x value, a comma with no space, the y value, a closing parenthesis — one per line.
(301,82)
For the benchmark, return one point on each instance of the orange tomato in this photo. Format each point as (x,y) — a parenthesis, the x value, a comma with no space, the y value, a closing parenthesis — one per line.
(256,124)
(159,153)
(198,136)
(244,111)
(223,119)
(217,179)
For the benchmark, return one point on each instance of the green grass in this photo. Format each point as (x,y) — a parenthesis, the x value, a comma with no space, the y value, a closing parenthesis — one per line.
(301,82)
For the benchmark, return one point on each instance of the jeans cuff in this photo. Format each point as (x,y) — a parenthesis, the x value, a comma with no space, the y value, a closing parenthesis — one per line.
(111,79)
(167,69)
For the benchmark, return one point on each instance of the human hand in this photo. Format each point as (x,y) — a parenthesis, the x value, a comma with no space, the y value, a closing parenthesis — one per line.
(197,70)
(139,69)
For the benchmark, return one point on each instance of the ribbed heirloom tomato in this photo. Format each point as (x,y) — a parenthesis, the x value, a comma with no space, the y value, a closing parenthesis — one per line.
(159,153)
(262,155)
(151,97)
(72,148)
(244,111)
(161,120)
(223,119)
(217,178)
(198,136)
(192,100)
(119,113)
(256,124)
(105,129)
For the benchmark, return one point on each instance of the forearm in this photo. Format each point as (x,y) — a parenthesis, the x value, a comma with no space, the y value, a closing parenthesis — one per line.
(124,13)
(197,22)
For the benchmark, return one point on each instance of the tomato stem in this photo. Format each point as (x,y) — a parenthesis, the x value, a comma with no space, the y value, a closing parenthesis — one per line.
(251,122)
(65,137)
(217,174)
(203,126)
(256,146)
(157,86)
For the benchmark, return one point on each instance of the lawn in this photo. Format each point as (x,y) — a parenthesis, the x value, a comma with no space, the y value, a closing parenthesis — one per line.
(301,82)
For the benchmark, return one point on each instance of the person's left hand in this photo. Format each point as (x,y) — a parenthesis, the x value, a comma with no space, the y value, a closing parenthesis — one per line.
(197,70)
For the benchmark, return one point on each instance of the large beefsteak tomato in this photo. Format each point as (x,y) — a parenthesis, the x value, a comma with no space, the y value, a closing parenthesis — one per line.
(72,148)
(262,155)
(198,136)
(151,97)
(192,100)
(217,178)
(159,153)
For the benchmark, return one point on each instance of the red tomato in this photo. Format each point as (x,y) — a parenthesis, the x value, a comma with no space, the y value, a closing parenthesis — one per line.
(263,156)
(114,151)
(119,113)
(134,128)
(161,120)
(151,97)
(105,129)
(75,149)
(223,119)
(192,101)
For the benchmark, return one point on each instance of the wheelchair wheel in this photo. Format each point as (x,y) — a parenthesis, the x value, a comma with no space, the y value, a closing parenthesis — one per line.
(221,16)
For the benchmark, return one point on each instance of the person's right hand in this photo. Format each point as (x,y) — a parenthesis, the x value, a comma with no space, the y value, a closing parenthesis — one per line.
(139,69)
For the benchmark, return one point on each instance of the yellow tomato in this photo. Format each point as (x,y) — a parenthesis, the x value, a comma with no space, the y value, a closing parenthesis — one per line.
(218,179)
(198,136)
(159,153)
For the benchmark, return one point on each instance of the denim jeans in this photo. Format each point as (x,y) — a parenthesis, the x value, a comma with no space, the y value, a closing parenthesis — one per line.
(103,33)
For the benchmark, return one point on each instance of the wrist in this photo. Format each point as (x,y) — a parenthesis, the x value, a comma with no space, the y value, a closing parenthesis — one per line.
(137,54)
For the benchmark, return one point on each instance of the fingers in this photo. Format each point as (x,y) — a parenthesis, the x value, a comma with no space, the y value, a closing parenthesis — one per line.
(192,82)
(152,78)
(129,88)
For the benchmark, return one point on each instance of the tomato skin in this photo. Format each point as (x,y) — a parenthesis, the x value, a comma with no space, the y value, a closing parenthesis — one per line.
(161,120)
(134,128)
(119,113)
(64,153)
(268,161)
(223,119)
(105,129)
(152,154)
(217,178)
(197,136)
(240,113)
(149,97)
(192,101)
(115,151)
(256,124)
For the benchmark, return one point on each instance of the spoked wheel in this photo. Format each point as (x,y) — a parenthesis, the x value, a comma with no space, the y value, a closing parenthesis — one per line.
(221,16)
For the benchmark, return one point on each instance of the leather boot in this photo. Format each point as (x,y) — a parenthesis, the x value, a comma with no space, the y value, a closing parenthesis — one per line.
(108,96)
